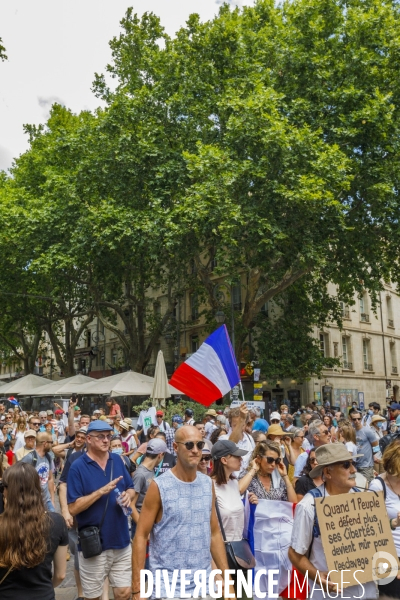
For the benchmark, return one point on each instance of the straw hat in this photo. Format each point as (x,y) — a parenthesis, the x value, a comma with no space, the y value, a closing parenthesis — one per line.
(275,430)
(376,418)
(329,454)
(124,425)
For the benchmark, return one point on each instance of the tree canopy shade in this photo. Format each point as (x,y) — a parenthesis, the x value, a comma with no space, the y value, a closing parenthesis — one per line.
(3,55)
(263,143)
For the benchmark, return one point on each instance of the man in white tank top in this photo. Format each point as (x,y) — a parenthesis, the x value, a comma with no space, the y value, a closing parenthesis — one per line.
(179,515)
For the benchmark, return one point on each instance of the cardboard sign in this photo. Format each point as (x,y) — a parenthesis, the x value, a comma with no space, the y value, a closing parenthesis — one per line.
(354,528)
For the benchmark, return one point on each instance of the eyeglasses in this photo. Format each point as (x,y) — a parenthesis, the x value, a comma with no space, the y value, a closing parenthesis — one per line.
(102,437)
(205,458)
(356,418)
(324,432)
(271,460)
(191,445)
(35,424)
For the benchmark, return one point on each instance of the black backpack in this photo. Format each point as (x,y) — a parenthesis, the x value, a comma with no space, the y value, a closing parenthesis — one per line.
(35,458)
(388,439)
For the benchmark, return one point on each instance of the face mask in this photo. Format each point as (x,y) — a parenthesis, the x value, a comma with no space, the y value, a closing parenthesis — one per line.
(370,412)
(380,424)
(117,450)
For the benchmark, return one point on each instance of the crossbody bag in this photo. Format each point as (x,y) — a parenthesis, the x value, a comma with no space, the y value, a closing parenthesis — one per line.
(238,554)
(89,537)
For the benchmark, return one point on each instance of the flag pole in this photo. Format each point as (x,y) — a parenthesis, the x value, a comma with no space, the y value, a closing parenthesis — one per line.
(241,387)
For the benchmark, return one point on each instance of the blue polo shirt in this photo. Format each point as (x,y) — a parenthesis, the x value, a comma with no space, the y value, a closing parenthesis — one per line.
(86,476)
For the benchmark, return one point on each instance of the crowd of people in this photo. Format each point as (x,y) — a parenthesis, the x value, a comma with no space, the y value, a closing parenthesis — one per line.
(162,495)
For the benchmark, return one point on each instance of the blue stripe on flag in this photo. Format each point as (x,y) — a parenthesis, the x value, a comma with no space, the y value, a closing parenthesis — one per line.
(220,342)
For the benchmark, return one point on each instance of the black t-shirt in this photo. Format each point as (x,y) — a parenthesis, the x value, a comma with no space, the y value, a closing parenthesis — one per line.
(303,485)
(71,458)
(36,583)
(168,462)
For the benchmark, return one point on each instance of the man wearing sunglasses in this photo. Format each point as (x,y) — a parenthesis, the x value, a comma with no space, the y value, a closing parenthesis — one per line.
(367,445)
(178,513)
(306,553)
(92,479)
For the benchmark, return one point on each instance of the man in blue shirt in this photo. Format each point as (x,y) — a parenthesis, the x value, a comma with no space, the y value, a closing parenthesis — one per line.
(89,483)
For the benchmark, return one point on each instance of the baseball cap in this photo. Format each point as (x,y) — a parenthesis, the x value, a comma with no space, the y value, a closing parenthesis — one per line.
(82,430)
(157,446)
(275,415)
(96,412)
(159,413)
(77,408)
(177,419)
(59,412)
(394,406)
(225,448)
(29,433)
(98,426)
(49,412)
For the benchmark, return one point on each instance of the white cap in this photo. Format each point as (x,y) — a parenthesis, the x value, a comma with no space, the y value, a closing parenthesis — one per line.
(275,415)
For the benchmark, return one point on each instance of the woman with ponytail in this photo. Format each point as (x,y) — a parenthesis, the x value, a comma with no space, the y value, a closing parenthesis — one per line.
(32,540)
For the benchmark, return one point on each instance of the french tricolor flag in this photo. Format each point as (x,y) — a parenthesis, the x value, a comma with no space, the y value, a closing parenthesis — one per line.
(209,373)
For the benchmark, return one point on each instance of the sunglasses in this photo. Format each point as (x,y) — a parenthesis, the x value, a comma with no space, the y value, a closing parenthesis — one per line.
(356,419)
(35,424)
(191,445)
(271,460)
(324,432)
(205,458)
(346,464)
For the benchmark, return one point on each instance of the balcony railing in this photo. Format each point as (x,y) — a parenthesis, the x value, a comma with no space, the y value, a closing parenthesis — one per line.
(394,370)
(367,367)
(364,317)
(347,365)
(346,313)
(391,322)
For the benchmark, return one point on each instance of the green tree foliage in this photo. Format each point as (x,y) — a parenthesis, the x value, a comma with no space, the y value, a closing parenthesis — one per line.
(264,142)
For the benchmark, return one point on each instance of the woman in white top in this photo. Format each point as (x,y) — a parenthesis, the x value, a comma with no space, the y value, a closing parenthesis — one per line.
(389,483)
(227,458)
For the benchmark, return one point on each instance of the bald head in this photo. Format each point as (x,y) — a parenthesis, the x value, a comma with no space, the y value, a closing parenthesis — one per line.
(186,433)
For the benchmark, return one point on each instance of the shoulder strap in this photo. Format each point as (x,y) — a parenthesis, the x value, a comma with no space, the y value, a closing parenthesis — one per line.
(383,486)
(220,520)
(108,496)
(34,458)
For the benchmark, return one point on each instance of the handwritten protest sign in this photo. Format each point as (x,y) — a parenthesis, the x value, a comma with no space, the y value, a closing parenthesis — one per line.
(354,529)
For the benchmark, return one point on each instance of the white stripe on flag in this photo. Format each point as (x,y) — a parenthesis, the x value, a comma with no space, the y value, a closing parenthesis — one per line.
(206,362)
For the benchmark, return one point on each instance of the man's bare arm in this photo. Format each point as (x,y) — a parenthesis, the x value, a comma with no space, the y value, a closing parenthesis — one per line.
(71,422)
(150,510)
(62,496)
(237,432)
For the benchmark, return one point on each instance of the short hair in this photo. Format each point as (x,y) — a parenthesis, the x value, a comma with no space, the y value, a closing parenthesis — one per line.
(161,434)
(151,455)
(87,416)
(295,431)
(313,428)
(283,406)
(375,405)
(289,419)
(235,412)
(198,423)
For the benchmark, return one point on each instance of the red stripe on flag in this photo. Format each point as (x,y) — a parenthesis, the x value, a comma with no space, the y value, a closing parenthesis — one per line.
(195,385)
